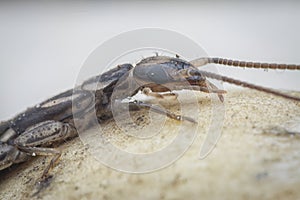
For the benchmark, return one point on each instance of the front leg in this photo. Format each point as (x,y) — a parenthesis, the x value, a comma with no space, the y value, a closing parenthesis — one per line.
(36,140)
(148,92)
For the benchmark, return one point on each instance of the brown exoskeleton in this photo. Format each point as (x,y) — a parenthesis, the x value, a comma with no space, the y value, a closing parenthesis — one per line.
(157,74)
(31,132)
(34,131)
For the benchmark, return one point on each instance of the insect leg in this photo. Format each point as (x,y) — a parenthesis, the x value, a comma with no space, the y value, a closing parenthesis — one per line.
(212,87)
(44,152)
(147,91)
(37,139)
(158,110)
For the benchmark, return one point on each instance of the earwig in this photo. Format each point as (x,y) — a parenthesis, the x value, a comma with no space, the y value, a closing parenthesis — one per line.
(34,131)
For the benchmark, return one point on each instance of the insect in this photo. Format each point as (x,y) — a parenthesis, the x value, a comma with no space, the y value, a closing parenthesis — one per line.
(36,130)
(30,132)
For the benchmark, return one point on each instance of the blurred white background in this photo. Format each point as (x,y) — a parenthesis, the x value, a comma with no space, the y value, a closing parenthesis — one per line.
(43,45)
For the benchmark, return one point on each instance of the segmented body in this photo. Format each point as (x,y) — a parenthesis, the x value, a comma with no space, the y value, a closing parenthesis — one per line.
(43,124)
(33,131)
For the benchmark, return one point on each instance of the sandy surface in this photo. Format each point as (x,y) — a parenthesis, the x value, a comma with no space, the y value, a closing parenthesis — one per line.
(257,157)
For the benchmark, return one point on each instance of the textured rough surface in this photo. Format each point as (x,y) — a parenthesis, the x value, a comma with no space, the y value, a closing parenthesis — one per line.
(257,157)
